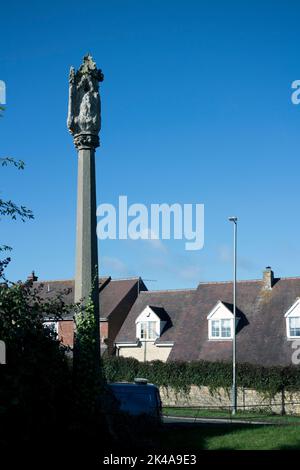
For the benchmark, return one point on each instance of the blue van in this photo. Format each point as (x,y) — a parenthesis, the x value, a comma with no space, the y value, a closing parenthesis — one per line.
(138,398)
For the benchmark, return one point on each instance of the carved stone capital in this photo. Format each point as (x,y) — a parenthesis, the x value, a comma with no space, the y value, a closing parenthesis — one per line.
(86,141)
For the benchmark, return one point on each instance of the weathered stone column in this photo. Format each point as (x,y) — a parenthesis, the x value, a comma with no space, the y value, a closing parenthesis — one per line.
(86,277)
(84,123)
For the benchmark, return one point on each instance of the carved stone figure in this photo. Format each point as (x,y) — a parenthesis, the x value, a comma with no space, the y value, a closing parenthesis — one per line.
(84,114)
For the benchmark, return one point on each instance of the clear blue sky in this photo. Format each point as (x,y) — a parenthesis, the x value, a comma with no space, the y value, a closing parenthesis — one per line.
(196,108)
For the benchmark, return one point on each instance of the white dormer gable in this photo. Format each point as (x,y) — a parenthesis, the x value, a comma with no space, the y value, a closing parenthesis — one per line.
(292,317)
(220,311)
(220,323)
(148,325)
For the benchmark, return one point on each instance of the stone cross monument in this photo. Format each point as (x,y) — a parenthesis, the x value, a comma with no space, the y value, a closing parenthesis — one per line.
(84,123)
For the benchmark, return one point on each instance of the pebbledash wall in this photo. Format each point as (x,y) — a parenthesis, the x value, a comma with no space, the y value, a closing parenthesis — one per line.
(286,402)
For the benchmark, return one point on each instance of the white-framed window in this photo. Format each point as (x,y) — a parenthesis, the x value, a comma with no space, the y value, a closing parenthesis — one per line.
(220,322)
(148,330)
(215,328)
(221,328)
(149,325)
(294,327)
(292,318)
(52,325)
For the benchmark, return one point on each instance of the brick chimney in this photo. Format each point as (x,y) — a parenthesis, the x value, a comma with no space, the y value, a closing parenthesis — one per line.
(32,277)
(268,278)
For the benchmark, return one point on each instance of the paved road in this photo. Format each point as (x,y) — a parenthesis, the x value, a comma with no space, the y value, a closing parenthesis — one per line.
(189,420)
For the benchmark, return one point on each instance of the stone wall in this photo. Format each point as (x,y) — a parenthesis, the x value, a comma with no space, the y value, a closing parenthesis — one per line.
(288,403)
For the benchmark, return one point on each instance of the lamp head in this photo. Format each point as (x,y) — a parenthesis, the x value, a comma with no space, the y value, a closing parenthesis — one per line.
(233,219)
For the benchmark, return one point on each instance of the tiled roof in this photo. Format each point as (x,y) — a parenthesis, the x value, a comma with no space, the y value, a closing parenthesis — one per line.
(160,312)
(261,333)
(111,292)
(173,302)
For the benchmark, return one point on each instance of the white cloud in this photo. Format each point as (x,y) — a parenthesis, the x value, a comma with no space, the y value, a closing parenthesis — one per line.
(224,253)
(190,273)
(114,264)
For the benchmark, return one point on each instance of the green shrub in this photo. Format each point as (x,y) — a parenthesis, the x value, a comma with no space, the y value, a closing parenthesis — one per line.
(36,381)
(181,375)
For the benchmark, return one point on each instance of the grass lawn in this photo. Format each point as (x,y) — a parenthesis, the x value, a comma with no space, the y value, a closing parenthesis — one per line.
(217,413)
(232,437)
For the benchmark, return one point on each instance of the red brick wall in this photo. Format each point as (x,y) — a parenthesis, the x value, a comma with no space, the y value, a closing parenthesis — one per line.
(103,335)
(103,330)
(108,329)
(66,332)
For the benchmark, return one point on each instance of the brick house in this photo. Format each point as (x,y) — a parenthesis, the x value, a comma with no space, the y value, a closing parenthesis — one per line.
(116,297)
(197,324)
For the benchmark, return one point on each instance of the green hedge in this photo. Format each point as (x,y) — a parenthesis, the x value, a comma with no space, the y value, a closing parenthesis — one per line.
(181,375)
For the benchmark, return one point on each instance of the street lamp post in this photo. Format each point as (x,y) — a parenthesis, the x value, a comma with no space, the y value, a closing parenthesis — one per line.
(234,389)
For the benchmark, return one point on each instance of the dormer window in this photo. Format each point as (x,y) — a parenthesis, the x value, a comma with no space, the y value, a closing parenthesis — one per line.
(294,326)
(220,322)
(221,328)
(292,317)
(148,330)
(150,323)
